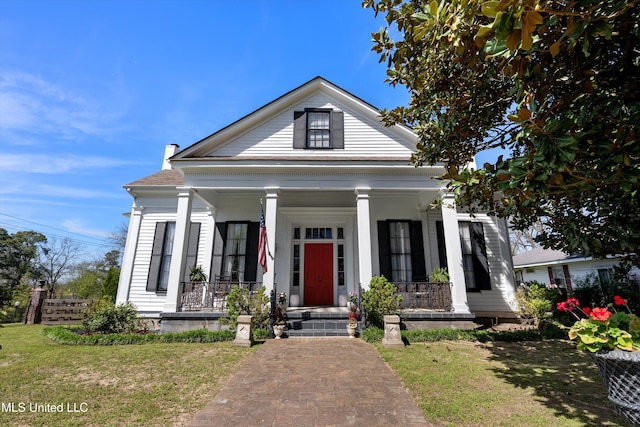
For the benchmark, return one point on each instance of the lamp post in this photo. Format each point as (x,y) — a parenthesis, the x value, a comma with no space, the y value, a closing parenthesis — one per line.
(15,310)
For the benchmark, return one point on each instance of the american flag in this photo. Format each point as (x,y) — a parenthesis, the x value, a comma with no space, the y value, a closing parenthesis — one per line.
(262,243)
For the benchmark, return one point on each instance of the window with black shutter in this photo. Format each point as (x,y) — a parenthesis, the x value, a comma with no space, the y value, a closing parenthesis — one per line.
(161,250)
(235,250)
(318,128)
(401,251)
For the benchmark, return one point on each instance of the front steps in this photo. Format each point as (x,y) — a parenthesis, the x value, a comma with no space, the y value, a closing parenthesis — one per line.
(318,322)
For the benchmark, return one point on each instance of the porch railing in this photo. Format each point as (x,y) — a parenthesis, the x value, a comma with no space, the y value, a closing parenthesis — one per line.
(425,295)
(210,296)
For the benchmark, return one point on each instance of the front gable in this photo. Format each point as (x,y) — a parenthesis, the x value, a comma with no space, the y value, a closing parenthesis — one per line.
(272,132)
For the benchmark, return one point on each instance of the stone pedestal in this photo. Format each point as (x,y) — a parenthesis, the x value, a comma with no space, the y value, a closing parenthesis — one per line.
(34,311)
(244,334)
(392,337)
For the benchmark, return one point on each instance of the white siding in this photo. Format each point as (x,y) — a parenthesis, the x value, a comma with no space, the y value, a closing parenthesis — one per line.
(158,210)
(363,137)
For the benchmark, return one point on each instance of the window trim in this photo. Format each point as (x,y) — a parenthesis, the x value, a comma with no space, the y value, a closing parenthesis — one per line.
(301,129)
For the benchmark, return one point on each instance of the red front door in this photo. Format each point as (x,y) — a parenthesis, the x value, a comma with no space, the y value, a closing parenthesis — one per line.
(318,274)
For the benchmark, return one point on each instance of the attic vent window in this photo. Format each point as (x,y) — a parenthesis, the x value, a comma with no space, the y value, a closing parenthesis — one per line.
(318,128)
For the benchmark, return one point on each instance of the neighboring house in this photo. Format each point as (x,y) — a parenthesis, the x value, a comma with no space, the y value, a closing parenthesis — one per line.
(557,269)
(341,203)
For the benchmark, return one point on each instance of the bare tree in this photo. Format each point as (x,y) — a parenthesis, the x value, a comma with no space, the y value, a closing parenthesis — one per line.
(55,260)
(524,240)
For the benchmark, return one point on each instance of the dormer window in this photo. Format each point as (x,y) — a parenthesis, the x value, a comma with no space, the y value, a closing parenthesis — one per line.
(318,128)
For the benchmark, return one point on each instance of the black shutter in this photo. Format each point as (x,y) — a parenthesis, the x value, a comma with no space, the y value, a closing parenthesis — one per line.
(219,237)
(418,267)
(337,129)
(480,261)
(299,129)
(251,260)
(192,249)
(156,257)
(384,249)
(442,244)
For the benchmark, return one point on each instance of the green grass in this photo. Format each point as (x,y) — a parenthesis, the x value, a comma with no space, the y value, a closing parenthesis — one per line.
(541,383)
(456,383)
(121,385)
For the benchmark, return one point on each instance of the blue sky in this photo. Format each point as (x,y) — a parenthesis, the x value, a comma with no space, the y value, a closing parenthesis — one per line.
(92,91)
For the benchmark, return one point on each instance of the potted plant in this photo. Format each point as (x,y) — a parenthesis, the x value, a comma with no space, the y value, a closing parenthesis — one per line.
(197,274)
(280,321)
(354,311)
(612,337)
(440,275)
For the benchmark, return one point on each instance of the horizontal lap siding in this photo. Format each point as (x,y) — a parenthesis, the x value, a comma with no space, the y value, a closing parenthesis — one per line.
(138,295)
(363,137)
(497,299)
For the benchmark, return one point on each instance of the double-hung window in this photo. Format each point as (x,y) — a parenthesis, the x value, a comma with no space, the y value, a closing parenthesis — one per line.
(318,128)
(235,251)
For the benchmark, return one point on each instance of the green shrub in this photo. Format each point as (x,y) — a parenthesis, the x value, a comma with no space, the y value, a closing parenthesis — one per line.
(67,336)
(379,300)
(104,317)
(241,301)
(372,334)
(535,304)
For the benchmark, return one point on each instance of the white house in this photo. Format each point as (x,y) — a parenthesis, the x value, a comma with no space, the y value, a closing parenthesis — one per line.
(341,204)
(558,269)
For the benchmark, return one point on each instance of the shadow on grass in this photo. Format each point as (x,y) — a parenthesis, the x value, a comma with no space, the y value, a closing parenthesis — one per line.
(562,378)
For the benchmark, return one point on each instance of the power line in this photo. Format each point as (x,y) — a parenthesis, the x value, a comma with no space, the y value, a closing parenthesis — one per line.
(103,244)
(53,228)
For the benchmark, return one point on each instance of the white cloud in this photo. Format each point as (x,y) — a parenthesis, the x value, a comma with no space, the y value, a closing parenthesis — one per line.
(31,104)
(79,226)
(58,164)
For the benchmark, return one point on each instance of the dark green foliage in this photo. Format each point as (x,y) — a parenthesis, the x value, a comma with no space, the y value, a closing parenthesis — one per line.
(373,334)
(536,303)
(63,335)
(379,300)
(103,316)
(240,301)
(592,292)
(110,286)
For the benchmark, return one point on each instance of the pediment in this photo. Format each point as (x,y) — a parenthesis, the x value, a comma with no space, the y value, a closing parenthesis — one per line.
(268,132)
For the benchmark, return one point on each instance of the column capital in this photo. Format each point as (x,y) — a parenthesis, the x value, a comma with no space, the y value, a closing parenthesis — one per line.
(272,191)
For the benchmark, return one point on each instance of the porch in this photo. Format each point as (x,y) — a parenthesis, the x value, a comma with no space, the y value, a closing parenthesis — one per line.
(426,305)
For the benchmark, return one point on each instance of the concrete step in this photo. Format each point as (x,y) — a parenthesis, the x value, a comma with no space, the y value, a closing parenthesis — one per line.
(318,323)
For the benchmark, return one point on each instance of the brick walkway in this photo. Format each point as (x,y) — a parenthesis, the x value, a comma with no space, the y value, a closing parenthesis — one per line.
(313,382)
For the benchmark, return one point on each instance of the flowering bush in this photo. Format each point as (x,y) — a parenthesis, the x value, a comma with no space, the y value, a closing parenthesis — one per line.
(603,329)
(353,297)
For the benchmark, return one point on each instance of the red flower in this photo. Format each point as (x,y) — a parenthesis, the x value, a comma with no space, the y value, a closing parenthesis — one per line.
(568,305)
(618,300)
(601,314)
(587,310)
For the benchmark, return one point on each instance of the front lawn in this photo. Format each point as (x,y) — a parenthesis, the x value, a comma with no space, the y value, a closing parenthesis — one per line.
(456,383)
(535,383)
(117,385)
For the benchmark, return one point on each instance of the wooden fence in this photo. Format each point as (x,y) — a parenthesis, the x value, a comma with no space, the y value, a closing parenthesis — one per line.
(63,311)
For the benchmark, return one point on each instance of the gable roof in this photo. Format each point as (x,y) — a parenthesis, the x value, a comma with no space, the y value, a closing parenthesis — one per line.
(258,116)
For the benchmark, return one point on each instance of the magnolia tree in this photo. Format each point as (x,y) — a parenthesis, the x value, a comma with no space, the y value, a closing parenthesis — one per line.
(552,85)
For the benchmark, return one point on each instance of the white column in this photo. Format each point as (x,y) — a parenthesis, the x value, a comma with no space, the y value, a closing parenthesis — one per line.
(454,254)
(129,255)
(208,252)
(180,241)
(364,236)
(270,217)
